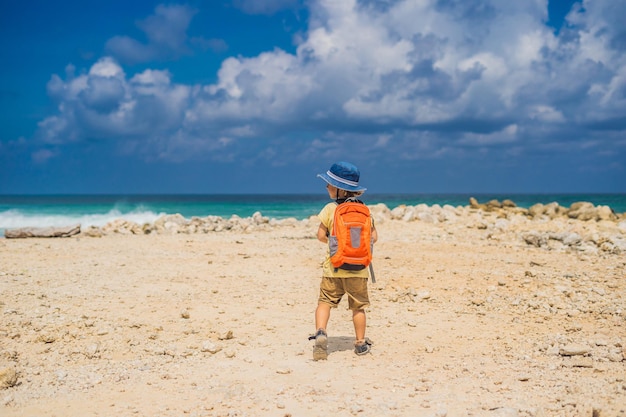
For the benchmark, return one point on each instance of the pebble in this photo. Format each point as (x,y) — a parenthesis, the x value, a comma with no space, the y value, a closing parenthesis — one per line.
(210,347)
(226,336)
(423,295)
(505,412)
(61,375)
(574,350)
(47,338)
(8,378)
(92,350)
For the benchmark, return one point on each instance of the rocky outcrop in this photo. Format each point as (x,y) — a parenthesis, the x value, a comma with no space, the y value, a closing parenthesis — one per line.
(582,227)
(176,223)
(42,232)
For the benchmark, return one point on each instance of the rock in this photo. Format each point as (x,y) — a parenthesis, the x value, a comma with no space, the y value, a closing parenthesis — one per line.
(501,224)
(210,347)
(581,362)
(380,211)
(605,213)
(571,239)
(123,227)
(409,214)
(61,375)
(574,350)
(536,210)
(47,338)
(42,232)
(92,351)
(8,378)
(614,356)
(505,412)
(493,205)
(226,336)
(423,295)
(426,217)
(535,239)
(257,218)
(92,231)
(398,212)
(170,224)
(582,211)
(553,210)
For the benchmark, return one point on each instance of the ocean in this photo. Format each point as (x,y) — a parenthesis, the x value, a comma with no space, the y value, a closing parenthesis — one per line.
(97,210)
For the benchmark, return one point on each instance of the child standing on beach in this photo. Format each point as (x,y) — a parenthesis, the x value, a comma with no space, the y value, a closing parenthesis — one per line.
(342,184)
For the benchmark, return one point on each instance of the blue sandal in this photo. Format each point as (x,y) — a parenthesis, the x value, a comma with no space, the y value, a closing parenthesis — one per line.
(363,347)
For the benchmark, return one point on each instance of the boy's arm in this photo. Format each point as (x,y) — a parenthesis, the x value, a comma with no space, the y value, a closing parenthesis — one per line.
(374,232)
(322,233)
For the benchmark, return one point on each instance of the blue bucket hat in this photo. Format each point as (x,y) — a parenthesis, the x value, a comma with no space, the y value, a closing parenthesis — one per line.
(343,175)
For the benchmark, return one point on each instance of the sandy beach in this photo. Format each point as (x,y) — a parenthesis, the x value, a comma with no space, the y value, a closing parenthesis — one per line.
(475,312)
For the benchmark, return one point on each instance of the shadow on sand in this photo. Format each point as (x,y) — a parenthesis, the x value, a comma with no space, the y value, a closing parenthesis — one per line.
(340,343)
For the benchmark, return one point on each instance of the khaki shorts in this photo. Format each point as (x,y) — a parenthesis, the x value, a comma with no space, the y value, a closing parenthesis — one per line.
(333,289)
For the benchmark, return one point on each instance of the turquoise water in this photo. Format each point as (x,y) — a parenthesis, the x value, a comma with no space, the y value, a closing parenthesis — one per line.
(97,210)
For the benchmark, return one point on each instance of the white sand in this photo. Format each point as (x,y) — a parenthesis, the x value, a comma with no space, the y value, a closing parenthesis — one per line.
(465,321)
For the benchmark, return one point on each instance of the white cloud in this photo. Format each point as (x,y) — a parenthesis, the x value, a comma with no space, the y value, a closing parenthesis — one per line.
(104,104)
(166,33)
(546,114)
(504,136)
(476,72)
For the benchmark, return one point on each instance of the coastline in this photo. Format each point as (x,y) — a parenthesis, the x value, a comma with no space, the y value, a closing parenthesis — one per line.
(97,210)
(109,212)
(476,311)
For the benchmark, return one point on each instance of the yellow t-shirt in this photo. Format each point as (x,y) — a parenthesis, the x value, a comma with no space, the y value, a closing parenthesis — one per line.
(326,216)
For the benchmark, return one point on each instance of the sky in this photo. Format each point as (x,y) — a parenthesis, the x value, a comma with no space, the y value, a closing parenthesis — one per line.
(259,96)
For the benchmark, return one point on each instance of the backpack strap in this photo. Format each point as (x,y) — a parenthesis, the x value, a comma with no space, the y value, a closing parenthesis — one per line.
(348,200)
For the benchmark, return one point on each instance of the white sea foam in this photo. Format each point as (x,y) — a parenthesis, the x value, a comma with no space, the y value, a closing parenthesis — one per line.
(13,219)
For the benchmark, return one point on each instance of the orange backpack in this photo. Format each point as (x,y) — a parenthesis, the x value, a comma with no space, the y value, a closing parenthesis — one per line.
(351,239)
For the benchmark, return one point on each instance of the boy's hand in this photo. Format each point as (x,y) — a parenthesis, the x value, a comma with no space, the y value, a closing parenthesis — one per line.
(322,233)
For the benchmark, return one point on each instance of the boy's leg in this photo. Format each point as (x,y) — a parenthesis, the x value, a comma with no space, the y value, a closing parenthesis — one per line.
(359,320)
(362,345)
(331,291)
(322,315)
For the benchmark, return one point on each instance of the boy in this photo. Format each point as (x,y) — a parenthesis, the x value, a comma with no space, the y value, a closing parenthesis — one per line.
(342,183)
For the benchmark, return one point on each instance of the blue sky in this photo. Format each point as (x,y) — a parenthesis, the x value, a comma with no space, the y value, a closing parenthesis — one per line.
(259,96)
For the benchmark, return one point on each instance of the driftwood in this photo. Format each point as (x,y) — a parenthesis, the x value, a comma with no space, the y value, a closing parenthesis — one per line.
(42,232)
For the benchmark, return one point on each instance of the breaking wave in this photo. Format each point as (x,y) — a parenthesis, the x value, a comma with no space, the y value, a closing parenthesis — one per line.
(15,218)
